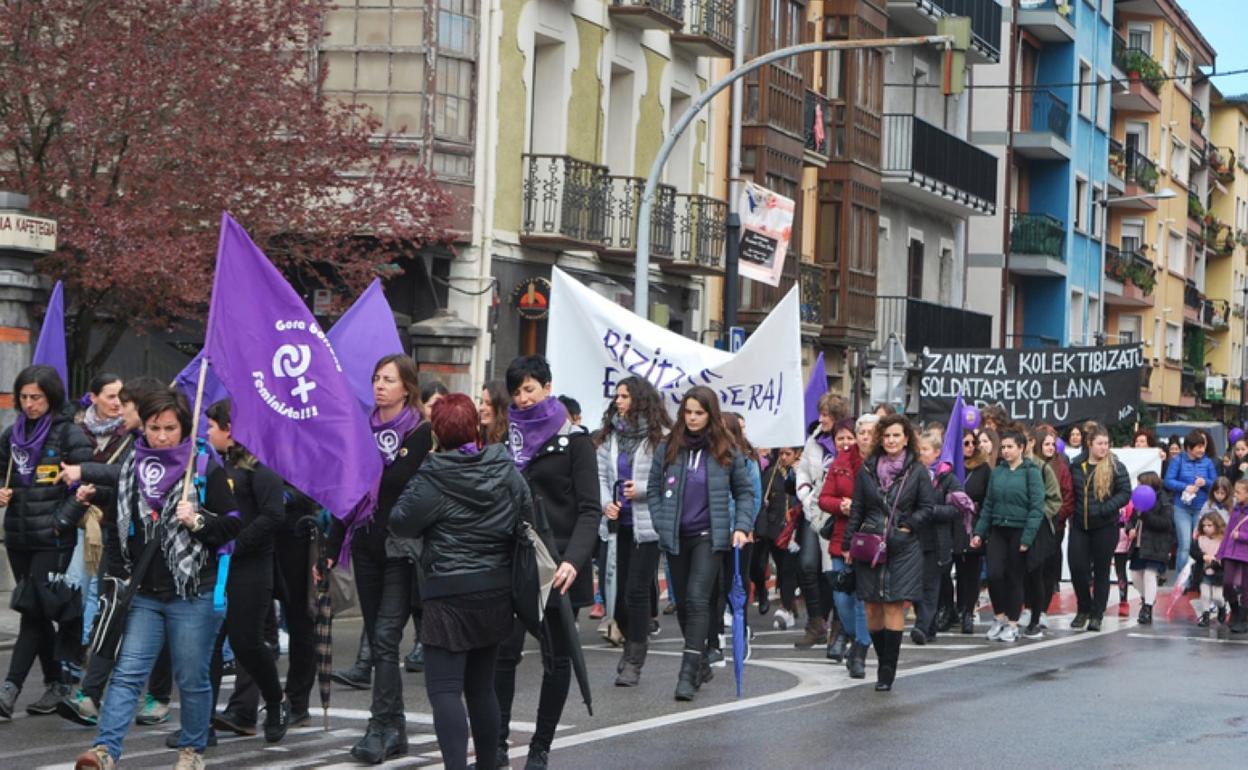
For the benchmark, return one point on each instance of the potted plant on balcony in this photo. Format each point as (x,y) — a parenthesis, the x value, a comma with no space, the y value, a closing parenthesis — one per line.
(1194,209)
(1142,277)
(1198,118)
(1147,177)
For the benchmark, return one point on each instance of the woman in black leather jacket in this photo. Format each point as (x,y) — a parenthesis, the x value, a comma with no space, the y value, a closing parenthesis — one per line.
(465,504)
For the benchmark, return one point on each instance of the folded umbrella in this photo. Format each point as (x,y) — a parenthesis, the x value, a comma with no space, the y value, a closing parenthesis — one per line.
(567,626)
(737,598)
(323,630)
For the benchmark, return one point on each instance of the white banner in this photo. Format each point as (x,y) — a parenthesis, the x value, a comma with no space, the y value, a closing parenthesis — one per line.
(766,226)
(1136,461)
(594,343)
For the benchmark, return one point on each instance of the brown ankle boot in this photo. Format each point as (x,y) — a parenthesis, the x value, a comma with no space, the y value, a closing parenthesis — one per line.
(816,633)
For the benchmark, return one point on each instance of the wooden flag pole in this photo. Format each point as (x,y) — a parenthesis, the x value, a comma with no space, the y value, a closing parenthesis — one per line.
(199,397)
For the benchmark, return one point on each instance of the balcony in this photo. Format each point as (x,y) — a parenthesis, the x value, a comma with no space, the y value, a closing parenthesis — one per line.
(1045,128)
(936,169)
(1130,278)
(1222,164)
(1192,301)
(701,223)
(1219,237)
(565,202)
(1217,315)
(1117,167)
(919,324)
(1037,245)
(708,29)
(649,14)
(919,17)
(1141,179)
(619,242)
(1144,80)
(818,123)
(1053,21)
(1119,57)
(815,296)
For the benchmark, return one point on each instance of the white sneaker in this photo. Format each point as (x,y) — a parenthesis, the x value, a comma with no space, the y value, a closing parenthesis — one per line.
(283,642)
(994,633)
(728,618)
(1009,634)
(1044,620)
(783,621)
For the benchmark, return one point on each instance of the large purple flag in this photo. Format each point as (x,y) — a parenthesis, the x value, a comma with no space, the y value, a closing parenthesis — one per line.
(50,348)
(951,452)
(187,382)
(365,334)
(816,386)
(292,405)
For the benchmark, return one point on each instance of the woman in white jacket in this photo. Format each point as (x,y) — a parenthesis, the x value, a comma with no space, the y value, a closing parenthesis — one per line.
(633,426)
(813,558)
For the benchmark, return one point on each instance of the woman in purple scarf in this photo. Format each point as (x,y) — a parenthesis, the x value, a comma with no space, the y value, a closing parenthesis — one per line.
(383,563)
(40,531)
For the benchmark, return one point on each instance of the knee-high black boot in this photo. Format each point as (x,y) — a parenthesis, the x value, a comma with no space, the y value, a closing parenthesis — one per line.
(888,649)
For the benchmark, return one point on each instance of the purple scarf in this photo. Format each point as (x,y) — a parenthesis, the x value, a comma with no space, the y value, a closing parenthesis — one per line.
(391,434)
(24,449)
(157,470)
(826,441)
(469,449)
(532,427)
(889,469)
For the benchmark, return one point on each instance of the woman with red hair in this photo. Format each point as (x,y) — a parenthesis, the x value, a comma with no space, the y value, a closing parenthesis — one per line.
(465,503)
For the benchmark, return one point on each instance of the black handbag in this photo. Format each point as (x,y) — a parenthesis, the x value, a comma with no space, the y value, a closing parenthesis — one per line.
(113,605)
(844,581)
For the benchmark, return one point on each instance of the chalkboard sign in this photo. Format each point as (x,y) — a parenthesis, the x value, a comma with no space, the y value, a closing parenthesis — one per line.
(1059,386)
(758,248)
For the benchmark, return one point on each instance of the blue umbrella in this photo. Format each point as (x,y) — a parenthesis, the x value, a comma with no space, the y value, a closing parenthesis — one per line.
(737,598)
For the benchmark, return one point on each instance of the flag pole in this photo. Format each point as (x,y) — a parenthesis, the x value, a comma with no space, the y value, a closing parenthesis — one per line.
(199,397)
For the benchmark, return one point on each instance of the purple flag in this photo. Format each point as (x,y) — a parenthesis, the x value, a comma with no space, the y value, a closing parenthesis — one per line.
(292,405)
(364,334)
(816,386)
(50,349)
(188,380)
(951,452)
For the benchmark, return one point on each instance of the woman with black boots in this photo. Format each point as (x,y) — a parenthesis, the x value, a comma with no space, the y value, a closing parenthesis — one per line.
(465,504)
(695,473)
(813,560)
(1102,487)
(632,427)
(936,535)
(892,497)
(979,448)
(40,531)
(383,564)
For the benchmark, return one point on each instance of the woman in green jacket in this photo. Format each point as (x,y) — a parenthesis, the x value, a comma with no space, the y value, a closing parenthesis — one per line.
(1013,511)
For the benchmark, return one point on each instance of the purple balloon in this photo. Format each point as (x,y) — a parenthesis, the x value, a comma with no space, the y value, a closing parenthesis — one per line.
(1144,498)
(1236,434)
(1061,446)
(970,418)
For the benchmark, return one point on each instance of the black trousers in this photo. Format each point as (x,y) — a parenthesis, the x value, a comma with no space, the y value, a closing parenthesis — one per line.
(451,678)
(250,601)
(1007,569)
(1091,552)
(636,565)
(245,700)
(786,571)
(556,678)
(38,637)
(384,586)
(695,571)
(1040,582)
(810,569)
(719,601)
(968,565)
(925,608)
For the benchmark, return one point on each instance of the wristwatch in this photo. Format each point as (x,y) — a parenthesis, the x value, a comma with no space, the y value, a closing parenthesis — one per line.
(199,522)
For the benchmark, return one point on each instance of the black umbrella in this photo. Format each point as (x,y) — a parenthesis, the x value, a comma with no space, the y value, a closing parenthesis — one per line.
(568,628)
(324,616)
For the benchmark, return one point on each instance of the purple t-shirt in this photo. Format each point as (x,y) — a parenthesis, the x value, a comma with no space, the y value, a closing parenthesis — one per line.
(624,472)
(695,501)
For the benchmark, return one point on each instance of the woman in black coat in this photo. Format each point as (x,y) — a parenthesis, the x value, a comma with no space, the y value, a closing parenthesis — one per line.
(892,498)
(40,531)
(465,504)
(1152,540)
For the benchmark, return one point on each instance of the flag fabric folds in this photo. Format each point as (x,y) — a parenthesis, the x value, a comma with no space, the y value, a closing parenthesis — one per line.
(187,381)
(292,405)
(50,348)
(816,386)
(951,452)
(362,337)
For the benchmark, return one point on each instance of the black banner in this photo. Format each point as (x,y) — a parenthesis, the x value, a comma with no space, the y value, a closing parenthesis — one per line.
(1059,386)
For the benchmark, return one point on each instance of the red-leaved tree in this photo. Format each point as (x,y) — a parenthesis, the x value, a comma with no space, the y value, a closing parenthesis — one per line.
(135,123)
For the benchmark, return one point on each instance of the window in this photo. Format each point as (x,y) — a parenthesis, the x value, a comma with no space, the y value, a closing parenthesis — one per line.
(834,78)
(1132,236)
(1178,160)
(1085,90)
(1129,329)
(1076,317)
(1098,221)
(1102,101)
(1174,342)
(1140,35)
(1165,48)
(1163,162)
(1176,253)
(1081,205)
(457,27)
(456,70)
(1095,325)
(914,284)
(1243,140)
(1182,69)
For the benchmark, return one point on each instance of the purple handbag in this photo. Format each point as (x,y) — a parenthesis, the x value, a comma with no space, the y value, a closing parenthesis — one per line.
(869,548)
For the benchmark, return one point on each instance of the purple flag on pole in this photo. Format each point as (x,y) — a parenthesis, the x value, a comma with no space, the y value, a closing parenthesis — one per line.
(292,405)
(50,348)
(364,334)
(187,381)
(951,452)
(816,386)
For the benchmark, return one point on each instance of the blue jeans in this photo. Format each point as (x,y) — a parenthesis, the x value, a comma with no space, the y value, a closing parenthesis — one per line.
(1185,518)
(849,606)
(189,626)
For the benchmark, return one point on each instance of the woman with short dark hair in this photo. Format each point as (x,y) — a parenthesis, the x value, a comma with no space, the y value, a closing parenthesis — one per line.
(40,531)
(893,496)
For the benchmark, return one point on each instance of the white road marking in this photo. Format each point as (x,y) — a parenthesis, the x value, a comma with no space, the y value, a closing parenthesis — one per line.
(1206,639)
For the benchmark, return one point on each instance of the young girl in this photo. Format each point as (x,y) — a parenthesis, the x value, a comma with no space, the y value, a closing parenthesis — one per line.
(1233,553)
(1219,501)
(1211,530)
(1152,537)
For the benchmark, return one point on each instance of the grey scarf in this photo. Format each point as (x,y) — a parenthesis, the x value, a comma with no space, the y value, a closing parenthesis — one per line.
(630,434)
(184,555)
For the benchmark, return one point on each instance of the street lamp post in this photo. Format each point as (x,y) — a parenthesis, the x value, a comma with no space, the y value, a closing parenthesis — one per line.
(1105,203)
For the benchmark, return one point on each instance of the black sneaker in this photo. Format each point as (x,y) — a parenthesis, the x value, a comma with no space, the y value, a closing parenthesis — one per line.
(357,677)
(414,663)
(300,718)
(1033,631)
(47,702)
(1081,620)
(539,758)
(1094,624)
(918,637)
(276,721)
(228,720)
(1204,619)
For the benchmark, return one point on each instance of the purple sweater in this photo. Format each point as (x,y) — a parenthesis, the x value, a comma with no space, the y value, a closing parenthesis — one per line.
(1235,543)
(695,508)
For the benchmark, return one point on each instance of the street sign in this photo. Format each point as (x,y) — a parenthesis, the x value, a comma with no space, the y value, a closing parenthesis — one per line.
(736,338)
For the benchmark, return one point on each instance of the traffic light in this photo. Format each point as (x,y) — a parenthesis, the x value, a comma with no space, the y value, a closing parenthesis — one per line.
(953,64)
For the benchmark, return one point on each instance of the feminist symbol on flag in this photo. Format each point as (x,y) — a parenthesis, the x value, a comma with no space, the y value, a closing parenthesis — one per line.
(293,361)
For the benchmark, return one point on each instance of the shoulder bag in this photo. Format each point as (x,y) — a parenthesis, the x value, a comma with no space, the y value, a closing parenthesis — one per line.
(870,548)
(113,604)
